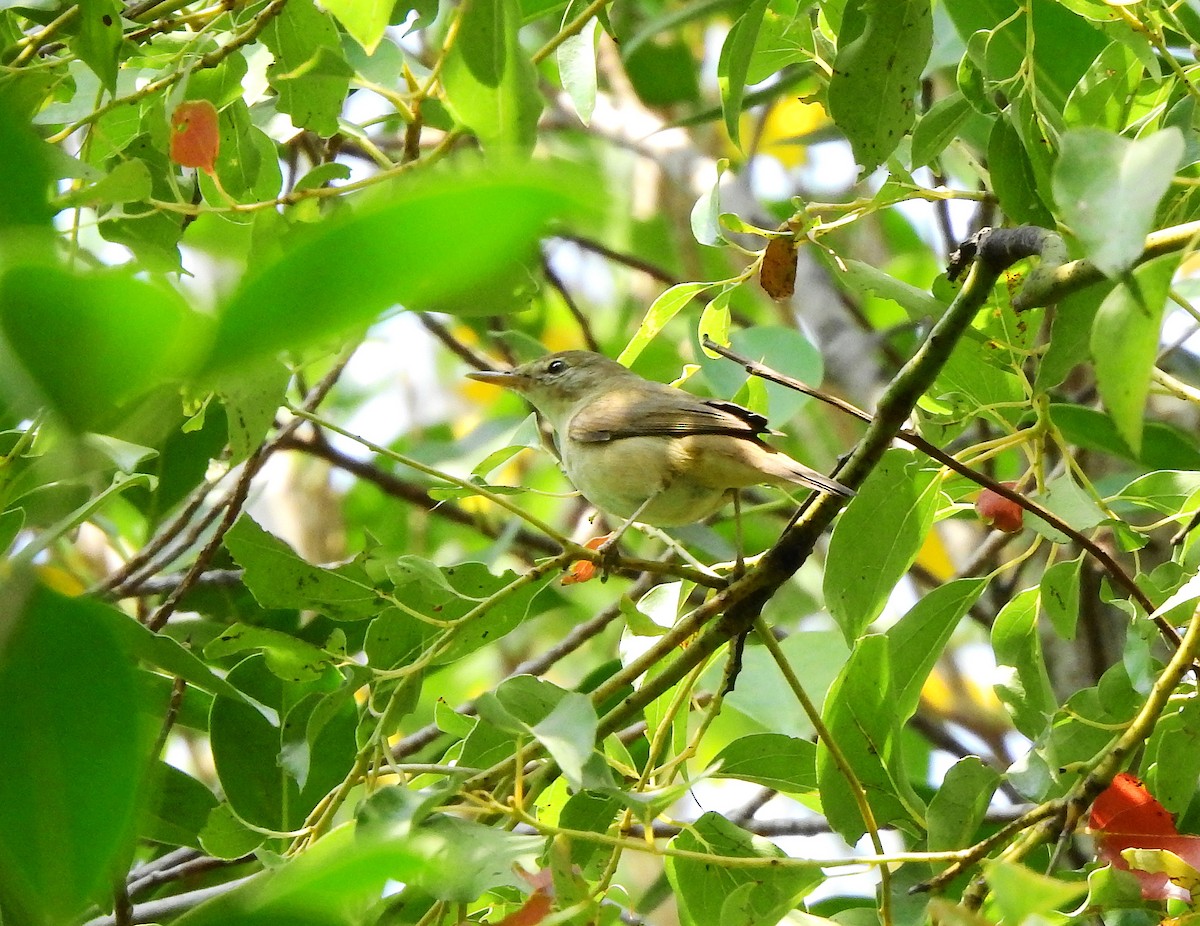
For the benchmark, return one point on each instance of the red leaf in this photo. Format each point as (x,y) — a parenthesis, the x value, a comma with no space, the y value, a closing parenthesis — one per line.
(532,912)
(195,139)
(1125,806)
(1127,816)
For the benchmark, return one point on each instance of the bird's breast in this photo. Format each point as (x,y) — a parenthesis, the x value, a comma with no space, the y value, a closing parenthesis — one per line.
(619,476)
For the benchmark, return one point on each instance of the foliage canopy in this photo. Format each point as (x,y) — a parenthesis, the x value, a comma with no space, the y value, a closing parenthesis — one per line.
(282,642)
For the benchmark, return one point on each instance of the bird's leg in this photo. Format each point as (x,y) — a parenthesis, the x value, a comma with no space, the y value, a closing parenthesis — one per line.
(608,549)
(739,567)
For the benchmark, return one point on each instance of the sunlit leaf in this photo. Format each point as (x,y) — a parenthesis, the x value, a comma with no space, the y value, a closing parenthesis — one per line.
(423,247)
(1108,188)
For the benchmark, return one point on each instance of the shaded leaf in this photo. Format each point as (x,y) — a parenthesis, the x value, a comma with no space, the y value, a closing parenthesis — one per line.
(702,889)
(346,272)
(882,49)
(734,63)
(68,689)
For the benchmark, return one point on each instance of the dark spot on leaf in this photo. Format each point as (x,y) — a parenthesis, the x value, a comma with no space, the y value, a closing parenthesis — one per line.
(107,20)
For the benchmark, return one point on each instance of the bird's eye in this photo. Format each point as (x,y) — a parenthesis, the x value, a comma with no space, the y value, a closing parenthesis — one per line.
(556,366)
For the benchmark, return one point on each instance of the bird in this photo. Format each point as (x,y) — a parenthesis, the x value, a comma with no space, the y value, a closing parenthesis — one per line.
(647,452)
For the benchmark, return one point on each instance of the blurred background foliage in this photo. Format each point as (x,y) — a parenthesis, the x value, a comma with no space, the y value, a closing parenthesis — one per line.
(282,636)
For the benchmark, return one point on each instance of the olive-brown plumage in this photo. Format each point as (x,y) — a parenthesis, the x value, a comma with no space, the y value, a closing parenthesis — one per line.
(639,449)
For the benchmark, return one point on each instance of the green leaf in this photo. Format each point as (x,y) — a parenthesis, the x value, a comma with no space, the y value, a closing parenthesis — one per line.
(248,749)
(1013,178)
(577,69)
(772,760)
(449,595)
(918,638)
(734,62)
(1167,492)
(815,656)
(588,812)
(1172,759)
(247,163)
(1103,94)
(938,127)
(490,81)
(25,161)
(88,345)
(706,214)
(278,578)
(321,886)
(714,323)
(1025,686)
(1059,596)
(785,40)
(69,690)
(703,888)
(1072,504)
(1108,188)
(1069,334)
(421,248)
(564,722)
(1065,48)
(781,348)
(976,377)
(877,538)
(128,182)
(166,654)
(472,858)
(863,279)
(251,402)
(292,659)
(99,38)
(1023,895)
(874,105)
(1163,446)
(858,713)
(310,73)
(225,836)
(365,20)
(661,311)
(1124,341)
(958,807)
(178,808)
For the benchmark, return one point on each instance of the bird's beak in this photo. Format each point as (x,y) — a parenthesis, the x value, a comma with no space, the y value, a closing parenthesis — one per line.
(509,379)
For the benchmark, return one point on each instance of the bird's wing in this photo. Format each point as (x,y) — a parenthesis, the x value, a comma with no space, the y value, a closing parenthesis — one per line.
(621,415)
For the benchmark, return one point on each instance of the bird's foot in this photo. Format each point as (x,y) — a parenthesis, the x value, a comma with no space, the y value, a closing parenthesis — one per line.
(585,570)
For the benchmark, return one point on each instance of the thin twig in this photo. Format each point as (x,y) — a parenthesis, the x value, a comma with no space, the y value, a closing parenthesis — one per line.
(237,498)
(585,327)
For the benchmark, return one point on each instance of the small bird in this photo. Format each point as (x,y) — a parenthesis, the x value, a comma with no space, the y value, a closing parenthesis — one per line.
(645,451)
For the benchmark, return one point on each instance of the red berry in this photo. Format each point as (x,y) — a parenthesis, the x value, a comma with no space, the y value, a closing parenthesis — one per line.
(998,512)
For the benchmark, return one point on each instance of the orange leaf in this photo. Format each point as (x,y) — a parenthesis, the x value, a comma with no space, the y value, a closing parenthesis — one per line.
(583,570)
(195,139)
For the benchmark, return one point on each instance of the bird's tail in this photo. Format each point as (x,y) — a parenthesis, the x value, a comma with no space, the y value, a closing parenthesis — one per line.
(796,472)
